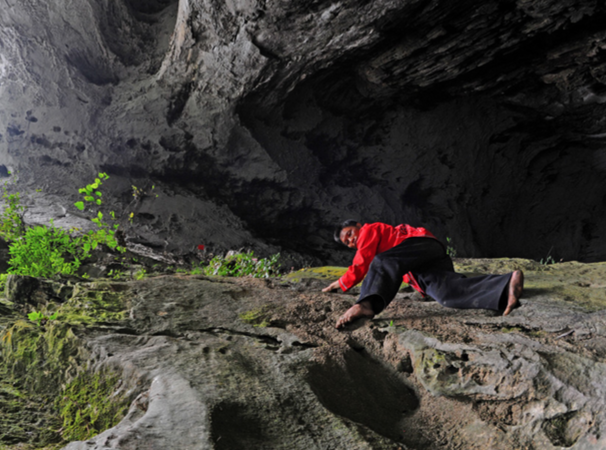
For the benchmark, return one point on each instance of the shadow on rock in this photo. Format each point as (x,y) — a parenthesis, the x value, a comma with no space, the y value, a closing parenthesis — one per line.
(365,391)
(236,427)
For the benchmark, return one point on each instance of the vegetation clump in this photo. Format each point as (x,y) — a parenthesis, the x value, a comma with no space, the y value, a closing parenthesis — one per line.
(40,318)
(12,225)
(243,265)
(47,251)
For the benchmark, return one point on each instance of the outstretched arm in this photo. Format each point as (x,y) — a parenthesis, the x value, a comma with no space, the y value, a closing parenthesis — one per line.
(332,286)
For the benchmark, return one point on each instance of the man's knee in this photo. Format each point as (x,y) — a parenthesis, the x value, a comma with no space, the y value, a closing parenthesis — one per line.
(386,264)
(379,261)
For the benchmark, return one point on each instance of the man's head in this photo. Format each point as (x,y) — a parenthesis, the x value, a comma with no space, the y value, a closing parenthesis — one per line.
(347,233)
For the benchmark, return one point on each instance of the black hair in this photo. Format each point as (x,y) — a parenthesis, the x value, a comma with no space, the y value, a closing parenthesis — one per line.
(339,228)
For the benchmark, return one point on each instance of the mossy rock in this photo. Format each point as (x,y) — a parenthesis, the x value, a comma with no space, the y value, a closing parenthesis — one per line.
(325,273)
(259,317)
(43,368)
(92,403)
(41,357)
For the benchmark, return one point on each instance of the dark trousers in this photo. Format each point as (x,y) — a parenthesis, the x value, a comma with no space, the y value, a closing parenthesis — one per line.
(428,262)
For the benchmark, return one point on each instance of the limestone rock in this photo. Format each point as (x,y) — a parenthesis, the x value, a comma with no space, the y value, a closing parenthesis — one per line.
(257,364)
(262,123)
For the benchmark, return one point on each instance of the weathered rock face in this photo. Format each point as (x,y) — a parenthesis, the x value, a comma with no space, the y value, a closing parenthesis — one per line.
(257,364)
(262,123)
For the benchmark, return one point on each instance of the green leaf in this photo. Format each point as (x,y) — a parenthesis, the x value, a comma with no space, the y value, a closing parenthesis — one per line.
(79,205)
(34,316)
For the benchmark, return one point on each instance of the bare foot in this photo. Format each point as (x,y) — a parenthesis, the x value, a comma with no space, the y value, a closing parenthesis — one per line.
(516,286)
(357,311)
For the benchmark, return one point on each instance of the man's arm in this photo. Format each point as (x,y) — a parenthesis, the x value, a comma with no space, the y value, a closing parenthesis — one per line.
(366,251)
(332,287)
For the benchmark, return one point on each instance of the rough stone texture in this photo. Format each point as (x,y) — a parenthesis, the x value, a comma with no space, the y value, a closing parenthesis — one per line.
(205,374)
(260,123)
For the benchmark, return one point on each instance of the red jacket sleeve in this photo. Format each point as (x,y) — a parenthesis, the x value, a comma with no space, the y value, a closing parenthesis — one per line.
(368,243)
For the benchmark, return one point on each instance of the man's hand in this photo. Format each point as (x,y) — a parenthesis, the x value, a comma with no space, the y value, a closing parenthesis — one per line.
(332,287)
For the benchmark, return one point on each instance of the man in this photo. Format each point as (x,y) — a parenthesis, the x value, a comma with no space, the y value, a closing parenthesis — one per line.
(388,255)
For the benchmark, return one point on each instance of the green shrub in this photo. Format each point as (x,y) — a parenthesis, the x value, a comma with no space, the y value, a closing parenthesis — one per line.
(43,251)
(106,234)
(243,265)
(11,219)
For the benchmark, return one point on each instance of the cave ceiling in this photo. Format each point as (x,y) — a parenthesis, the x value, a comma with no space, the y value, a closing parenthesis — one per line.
(262,123)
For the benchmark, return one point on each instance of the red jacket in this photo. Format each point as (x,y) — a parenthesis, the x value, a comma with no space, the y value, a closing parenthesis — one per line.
(375,238)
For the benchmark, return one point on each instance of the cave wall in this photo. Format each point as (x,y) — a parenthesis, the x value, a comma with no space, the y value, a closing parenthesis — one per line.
(261,123)
(496,180)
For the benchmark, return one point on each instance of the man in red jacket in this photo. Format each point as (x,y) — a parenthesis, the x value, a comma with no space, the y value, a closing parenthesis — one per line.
(388,255)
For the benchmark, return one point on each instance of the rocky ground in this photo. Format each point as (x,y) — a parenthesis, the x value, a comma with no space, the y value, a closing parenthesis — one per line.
(201,363)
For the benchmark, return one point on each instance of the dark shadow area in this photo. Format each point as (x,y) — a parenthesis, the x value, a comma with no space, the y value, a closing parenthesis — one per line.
(564,430)
(533,292)
(369,393)
(236,428)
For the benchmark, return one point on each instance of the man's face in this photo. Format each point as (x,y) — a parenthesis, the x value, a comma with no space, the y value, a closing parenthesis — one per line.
(349,236)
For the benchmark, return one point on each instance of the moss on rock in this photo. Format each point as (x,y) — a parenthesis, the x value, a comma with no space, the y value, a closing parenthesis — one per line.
(259,317)
(43,371)
(95,303)
(41,357)
(327,273)
(91,403)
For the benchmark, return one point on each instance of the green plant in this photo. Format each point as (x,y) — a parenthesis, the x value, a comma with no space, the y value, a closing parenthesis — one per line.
(11,219)
(105,234)
(197,271)
(46,251)
(138,193)
(242,265)
(41,318)
(450,249)
(547,261)
(3,277)
(115,274)
(140,274)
